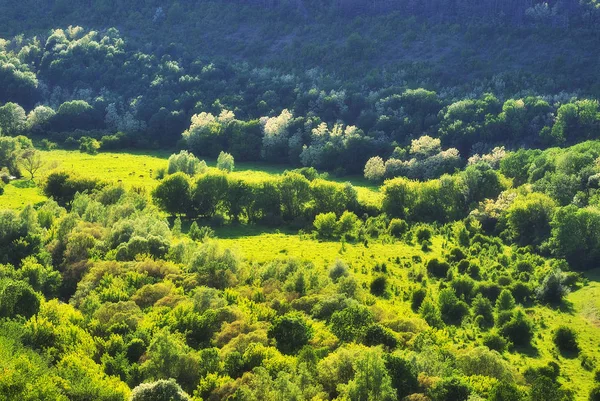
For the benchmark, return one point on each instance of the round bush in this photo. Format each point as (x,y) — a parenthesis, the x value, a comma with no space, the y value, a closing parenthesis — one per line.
(565,339)
(378,286)
(161,390)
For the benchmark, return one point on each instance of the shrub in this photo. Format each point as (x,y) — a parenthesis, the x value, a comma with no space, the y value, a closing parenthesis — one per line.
(451,389)
(325,224)
(504,391)
(349,324)
(376,334)
(374,169)
(417,297)
(495,341)
(378,286)
(397,228)
(200,233)
(505,301)
(338,270)
(17,299)
(438,268)
(423,233)
(225,162)
(185,162)
(552,290)
(452,309)
(483,307)
(160,390)
(291,332)
(431,314)
(518,329)
(595,394)
(565,339)
(88,145)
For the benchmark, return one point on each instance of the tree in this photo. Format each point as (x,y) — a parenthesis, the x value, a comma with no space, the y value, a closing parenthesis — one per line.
(565,339)
(371,380)
(375,169)
(576,236)
(31,161)
(325,224)
(349,324)
(225,162)
(12,119)
(552,290)
(291,332)
(173,194)
(528,218)
(295,193)
(161,390)
(185,162)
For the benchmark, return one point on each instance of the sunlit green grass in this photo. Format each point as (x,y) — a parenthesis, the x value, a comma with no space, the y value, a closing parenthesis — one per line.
(137,169)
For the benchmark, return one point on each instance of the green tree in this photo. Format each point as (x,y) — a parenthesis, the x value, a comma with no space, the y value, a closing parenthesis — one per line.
(173,194)
(371,380)
(291,332)
(160,390)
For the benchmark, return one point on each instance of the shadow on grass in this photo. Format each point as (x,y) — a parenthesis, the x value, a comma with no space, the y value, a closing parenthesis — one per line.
(24,183)
(530,350)
(566,306)
(569,354)
(234,231)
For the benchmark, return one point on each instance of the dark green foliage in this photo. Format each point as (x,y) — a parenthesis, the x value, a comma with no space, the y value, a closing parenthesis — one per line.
(403,374)
(452,309)
(17,299)
(291,332)
(483,307)
(417,297)
(438,268)
(505,392)
(518,329)
(595,394)
(378,286)
(565,339)
(173,194)
(377,334)
(495,341)
(451,389)
(62,186)
(350,324)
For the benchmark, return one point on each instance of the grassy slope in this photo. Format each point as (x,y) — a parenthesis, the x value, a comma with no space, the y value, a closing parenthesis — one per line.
(260,246)
(136,170)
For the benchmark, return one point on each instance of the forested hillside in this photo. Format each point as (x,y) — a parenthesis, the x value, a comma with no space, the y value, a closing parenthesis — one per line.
(299,200)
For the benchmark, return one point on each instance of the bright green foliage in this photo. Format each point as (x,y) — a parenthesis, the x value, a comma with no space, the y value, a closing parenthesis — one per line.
(371,380)
(349,324)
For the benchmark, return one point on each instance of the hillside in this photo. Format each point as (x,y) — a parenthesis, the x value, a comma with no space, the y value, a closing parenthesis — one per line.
(268,200)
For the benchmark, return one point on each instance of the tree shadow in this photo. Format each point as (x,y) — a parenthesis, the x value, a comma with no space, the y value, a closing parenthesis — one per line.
(569,354)
(527,350)
(566,306)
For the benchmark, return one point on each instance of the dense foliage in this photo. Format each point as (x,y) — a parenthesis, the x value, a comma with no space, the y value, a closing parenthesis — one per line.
(456,263)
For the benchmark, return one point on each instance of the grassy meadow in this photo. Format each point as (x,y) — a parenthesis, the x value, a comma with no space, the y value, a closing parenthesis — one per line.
(137,169)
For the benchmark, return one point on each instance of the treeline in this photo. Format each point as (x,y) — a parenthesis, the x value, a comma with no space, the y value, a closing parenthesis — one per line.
(65,87)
